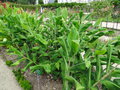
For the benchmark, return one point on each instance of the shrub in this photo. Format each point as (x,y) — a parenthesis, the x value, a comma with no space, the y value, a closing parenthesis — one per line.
(116,10)
(23,1)
(65,44)
(25,7)
(116,3)
(56,5)
(52,5)
(101,8)
(4,7)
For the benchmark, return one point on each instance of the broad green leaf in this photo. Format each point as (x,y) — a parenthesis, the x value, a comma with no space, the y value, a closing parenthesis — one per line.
(73,38)
(97,23)
(39,37)
(94,88)
(110,85)
(22,36)
(26,27)
(84,27)
(18,62)
(78,67)
(15,51)
(115,59)
(85,17)
(87,63)
(46,67)
(100,52)
(3,34)
(117,81)
(35,48)
(64,49)
(74,46)
(64,13)
(80,16)
(116,73)
(73,80)
(71,18)
(88,53)
(27,66)
(57,64)
(34,57)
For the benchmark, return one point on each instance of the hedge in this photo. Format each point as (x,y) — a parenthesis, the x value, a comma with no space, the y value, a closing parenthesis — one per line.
(32,7)
(52,5)
(56,5)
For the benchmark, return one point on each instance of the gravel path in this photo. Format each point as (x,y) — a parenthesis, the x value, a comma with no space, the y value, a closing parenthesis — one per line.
(7,78)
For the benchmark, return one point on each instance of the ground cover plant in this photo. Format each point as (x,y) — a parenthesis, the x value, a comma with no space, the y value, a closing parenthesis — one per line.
(25,84)
(63,46)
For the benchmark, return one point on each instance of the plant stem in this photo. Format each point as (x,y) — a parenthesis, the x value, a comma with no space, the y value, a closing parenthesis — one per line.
(105,76)
(109,57)
(98,71)
(65,83)
(65,73)
(89,83)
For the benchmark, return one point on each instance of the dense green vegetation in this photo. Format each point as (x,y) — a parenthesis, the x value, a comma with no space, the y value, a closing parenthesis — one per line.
(109,10)
(115,2)
(25,7)
(62,43)
(9,63)
(101,8)
(25,84)
(53,5)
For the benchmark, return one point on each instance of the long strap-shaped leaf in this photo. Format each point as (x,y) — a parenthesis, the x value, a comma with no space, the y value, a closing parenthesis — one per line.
(77,84)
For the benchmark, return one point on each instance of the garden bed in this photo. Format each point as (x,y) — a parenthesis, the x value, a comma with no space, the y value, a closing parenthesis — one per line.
(38,82)
(64,46)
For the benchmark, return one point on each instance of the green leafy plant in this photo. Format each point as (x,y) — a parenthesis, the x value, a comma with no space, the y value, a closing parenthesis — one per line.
(51,5)
(25,84)
(101,8)
(25,7)
(9,63)
(57,42)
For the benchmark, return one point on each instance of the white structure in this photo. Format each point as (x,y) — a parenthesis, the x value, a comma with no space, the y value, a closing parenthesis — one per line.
(68,1)
(37,2)
(48,1)
(77,1)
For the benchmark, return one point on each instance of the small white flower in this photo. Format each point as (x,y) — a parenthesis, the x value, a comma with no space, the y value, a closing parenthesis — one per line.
(4,39)
(82,54)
